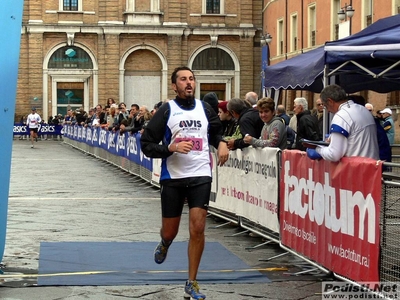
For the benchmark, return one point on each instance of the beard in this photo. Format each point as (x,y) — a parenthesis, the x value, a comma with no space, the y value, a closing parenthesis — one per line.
(184,94)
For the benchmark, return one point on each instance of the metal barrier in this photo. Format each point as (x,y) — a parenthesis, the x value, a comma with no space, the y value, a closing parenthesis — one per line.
(118,161)
(390,224)
(389,268)
(396,153)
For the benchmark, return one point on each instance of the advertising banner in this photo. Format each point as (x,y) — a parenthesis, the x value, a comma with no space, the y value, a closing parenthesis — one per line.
(124,145)
(49,129)
(248,186)
(330,212)
(11,22)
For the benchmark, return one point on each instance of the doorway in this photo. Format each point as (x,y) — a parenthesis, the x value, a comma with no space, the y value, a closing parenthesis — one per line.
(70,95)
(218,88)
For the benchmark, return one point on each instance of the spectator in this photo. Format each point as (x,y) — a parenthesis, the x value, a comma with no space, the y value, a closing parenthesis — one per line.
(156,107)
(388,124)
(249,122)
(368,106)
(212,99)
(307,125)
(318,112)
(252,98)
(273,133)
(123,113)
(68,117)
(138,121)
(73,118)
(132,120)
(57,120)
(379,116)
(352,131)
(135,108)
(112,118)
(290,132)
(281,112)
(100,115)
(80,116)
(385,150)
(110,101)
(90,118)
(229,123)
(293,126)
(146,117)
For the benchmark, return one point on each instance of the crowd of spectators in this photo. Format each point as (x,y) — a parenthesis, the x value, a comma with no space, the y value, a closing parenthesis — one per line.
(246,122)
(114,117)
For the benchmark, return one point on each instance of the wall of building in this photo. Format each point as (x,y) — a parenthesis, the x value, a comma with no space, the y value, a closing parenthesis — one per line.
(327,27)
(149,38)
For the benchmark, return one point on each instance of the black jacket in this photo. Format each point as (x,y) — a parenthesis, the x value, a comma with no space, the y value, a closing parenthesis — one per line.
(249,123)
(307,128)
(156,129)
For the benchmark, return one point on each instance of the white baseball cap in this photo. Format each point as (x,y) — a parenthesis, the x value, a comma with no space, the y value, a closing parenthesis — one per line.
(387,110)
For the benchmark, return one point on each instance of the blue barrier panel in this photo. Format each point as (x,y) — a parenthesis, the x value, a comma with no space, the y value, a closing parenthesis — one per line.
(11,22)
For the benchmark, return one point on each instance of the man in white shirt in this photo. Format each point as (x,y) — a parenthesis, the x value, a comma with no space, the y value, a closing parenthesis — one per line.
(33,123)
(352,131)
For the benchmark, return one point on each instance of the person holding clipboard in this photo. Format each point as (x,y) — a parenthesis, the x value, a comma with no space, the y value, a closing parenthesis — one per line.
(352,131)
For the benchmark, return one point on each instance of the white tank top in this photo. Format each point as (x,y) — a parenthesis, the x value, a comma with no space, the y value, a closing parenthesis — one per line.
(190,125)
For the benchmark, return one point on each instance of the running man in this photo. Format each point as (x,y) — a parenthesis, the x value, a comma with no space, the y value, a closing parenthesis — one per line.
(186,126)
(32,122)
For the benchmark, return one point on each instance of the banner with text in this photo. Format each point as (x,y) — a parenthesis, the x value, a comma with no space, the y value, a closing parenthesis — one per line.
(123,145)
(248,184)
(22,129)
(329,218)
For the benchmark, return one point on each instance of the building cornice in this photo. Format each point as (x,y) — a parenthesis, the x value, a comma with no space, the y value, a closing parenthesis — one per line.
(113,29)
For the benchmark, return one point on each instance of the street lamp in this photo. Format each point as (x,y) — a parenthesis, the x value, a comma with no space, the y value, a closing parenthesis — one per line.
(266,39)
(346,12)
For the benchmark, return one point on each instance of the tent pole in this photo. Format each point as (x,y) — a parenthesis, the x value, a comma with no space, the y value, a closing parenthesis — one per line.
(325,131)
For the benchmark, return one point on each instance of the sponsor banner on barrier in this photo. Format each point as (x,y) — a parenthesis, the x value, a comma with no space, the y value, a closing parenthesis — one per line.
(21,129)
(124,145)
(328,218)
(248,186)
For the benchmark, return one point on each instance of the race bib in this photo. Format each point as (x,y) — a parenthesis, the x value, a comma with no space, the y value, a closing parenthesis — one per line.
(197,142)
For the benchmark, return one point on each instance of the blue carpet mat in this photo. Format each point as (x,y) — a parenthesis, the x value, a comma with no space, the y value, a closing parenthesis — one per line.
(132,263)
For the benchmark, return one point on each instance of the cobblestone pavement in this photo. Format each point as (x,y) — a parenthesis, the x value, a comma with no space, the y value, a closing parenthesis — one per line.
(76,197)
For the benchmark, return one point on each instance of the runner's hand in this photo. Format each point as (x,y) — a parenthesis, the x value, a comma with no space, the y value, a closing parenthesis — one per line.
(222,153)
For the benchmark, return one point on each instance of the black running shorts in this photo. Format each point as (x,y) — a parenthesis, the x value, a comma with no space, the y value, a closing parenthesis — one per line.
(173,198)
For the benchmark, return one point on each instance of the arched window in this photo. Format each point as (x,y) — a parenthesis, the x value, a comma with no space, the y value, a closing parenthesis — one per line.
(70,57)
(213,59)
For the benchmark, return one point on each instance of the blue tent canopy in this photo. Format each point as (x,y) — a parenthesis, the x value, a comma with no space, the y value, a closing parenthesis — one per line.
(302,72)
(367,60)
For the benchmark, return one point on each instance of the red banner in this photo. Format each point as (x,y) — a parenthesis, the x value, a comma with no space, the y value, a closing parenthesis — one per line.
(329,212)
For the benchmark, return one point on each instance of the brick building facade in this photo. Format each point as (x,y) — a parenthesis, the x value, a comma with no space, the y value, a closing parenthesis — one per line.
(80,52)
(297,26)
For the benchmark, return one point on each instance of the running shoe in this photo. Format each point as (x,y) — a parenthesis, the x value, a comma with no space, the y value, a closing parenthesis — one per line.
(192,291)
(160,253)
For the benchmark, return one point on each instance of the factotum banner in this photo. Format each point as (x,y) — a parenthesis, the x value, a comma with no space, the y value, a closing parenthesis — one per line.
(10,34)
(330,212)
